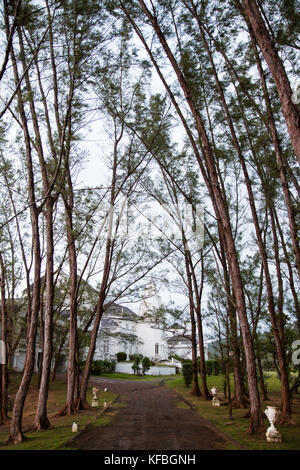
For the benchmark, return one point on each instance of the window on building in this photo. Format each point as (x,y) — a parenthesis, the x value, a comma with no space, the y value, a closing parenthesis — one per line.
(156,348)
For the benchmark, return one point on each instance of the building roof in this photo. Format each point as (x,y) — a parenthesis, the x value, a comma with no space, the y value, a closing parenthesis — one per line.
(120,311)
(176,326)
(108,323)
(178,338)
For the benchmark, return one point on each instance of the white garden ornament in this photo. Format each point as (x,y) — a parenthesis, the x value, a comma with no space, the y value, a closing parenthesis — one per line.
(74,427)
(272,434)
(105,405)
(215,400)
(95,402)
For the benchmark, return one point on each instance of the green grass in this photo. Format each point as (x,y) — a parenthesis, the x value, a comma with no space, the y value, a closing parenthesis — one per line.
(52,438)
(105,419)
(121,375)
(238,427)
(60,432)
(182,404)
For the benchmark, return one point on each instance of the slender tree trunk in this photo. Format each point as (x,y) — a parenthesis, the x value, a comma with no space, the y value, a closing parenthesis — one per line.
(58,356)
(195,389)
(271,56)
(256,422)
(255,319)
(82,403)
(109,247)
(16,434)
(261,375)
(41,420)
(77,378)
(290,270)
(3,366)
(239,399)
(198,295)
(271,304)
(279,156)
(70,406)
(279,339)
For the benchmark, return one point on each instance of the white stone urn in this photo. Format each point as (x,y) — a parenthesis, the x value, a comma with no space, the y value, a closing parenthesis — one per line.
(272,434)
(95,402)
(215,400)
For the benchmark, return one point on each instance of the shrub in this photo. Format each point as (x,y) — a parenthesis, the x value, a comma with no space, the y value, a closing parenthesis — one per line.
(216,367)
(145,365)
(213,367)
(136,365)
(103,367)
(187,371)
(121,356)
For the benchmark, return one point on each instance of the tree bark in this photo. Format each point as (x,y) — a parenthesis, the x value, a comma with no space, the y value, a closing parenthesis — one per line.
(279,156)
(271,56)
(70,405)
(58,355)
(4,369)
(16,434)
(198,295)
(41,420)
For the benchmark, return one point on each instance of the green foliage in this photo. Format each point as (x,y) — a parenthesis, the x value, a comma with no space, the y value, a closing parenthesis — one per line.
(121,356)
(103,367)
(145,365)
(212,367)
(187,371)
(136,365)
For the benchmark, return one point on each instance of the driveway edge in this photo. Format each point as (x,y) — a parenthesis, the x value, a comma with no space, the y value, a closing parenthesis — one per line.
(214,427)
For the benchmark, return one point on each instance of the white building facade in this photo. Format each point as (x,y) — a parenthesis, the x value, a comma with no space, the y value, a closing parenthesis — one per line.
(121,330)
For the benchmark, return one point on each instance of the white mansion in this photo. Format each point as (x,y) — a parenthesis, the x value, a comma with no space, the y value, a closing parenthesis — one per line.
(122,330)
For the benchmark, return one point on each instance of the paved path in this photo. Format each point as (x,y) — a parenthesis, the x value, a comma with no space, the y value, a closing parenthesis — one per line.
(151,419)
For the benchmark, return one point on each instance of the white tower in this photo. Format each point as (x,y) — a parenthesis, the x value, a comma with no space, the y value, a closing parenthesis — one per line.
(151,300)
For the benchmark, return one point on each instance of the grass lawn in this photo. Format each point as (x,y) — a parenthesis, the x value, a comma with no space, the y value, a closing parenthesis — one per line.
(121,375)
(60,432)
(237,428)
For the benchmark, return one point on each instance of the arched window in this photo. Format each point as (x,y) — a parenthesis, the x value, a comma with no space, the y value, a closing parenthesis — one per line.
(156,348)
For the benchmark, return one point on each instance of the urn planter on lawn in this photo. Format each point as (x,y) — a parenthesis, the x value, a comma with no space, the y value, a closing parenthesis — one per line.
(215,400)
(95,401)
(272,434)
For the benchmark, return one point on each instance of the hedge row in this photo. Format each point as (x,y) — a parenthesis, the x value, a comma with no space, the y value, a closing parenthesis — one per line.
(213,367)
(103,367)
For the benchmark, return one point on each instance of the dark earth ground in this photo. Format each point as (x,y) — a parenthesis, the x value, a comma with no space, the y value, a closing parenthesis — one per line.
(152,418)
